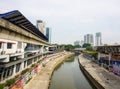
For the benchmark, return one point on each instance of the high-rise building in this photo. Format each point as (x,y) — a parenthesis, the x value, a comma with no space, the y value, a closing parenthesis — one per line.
(81,43)
(48,34)
(88,38)
(98,39)
(41,26)
(77,43)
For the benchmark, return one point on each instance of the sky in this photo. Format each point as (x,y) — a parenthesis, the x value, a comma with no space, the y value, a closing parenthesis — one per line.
(70,20)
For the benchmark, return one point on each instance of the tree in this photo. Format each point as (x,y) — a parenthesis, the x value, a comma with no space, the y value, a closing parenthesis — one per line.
(89,48)
(77,46)
(67,47)
(85,45)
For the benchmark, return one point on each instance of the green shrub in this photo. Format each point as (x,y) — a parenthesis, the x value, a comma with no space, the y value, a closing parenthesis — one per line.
(17,76)
(25,71)
(39,61)
(2,86)
(91,53)
(33,65)
(89,48)
(10,82)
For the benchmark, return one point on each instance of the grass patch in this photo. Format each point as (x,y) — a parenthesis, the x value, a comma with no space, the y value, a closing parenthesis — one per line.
(25,71)
(91,53)
(10,82)
(2,86)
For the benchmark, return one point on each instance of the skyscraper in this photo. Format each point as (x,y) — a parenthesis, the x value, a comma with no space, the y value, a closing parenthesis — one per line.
(98,39)
(41,26)
(48,34)
(88,38)
(77,43)
(81,43)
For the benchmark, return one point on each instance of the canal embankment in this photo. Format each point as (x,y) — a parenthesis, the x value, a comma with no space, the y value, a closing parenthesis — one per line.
(98,76)
(42,79)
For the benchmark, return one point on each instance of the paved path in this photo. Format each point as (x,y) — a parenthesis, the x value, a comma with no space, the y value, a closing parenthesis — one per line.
(107,79)
(42,80)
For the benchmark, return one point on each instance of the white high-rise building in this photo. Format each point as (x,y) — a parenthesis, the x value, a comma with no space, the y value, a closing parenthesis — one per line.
(88,38)
(77,43)
(41,26)
(98,39)
(81,43)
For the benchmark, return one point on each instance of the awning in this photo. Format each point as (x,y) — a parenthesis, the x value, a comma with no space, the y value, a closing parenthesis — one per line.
(2,42)
(11,42)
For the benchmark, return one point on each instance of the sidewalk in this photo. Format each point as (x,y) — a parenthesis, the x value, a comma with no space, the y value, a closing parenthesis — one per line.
(107,79)
(42,80)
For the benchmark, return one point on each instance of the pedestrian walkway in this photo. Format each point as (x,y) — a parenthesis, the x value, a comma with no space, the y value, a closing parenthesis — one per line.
(42,80)
(107,79)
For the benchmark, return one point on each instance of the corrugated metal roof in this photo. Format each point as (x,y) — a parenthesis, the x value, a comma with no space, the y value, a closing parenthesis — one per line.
(20,20)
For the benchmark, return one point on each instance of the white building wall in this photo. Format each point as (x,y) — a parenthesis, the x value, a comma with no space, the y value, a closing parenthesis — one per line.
(14,49)
(6,53)
(4,46)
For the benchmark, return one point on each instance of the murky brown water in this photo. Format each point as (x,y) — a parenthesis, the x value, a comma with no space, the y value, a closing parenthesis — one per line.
(68,75)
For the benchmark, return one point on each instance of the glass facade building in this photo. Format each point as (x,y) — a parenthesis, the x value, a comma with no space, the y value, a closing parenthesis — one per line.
(48,34)
(98,39)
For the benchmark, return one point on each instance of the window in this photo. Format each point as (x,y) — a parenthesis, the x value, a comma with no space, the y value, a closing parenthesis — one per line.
(9,45)
(0,45)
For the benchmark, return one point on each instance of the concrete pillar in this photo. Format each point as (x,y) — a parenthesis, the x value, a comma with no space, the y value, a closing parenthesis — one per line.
(42,49)
(109,58)
(37,58)
(98,57)
(10,72)
(33,61)
(26,64)
(22,66)
(2,75)
(6,73)
(14,70)
(23,55)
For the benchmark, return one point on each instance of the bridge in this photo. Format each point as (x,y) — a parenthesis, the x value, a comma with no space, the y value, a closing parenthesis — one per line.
(79,50)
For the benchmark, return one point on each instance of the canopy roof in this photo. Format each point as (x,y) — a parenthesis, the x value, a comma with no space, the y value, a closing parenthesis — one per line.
(20,20)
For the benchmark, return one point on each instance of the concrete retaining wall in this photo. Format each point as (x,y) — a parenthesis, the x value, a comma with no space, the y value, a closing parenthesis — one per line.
(42,80)
(91,79)
(86,70)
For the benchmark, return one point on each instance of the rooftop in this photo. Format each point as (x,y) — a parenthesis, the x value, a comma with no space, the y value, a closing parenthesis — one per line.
(17,18)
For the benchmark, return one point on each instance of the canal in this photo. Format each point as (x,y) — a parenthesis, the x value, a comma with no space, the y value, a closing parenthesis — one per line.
(68,75)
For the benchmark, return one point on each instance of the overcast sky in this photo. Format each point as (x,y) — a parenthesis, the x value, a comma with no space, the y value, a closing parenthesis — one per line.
(70,20)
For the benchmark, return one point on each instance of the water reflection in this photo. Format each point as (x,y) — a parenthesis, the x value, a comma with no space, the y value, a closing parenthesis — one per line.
(69,76)
(70,59)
